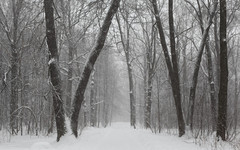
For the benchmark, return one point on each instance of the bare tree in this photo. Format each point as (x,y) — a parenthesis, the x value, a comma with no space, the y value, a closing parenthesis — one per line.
(197,65)
(54,69)
(172,63)
(79,95)
(222,95)
(73,26)
(125,40)
(16,8)
(93,108)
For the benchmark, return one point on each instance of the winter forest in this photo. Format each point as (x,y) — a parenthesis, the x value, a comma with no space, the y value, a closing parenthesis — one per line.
(120,74)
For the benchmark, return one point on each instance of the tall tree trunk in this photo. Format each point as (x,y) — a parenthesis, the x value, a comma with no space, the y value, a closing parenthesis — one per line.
(145,92)
(69,80)
(126,48)
(131,94)
(148,104)
(196,68)
(212,87)
(184,79)
(92,101)
(151,60)
(158,105)
(105,90)
(68,29)
(217,51)
(236,91)
(14,91)
(222,95)
(16,8)
(79,95)
(54,69)
(174,77)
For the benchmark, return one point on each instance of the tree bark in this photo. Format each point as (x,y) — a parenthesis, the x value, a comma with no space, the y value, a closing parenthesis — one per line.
(151,63)
(158,105)
(126,48)
(68,30)
(236,91)
(174,77)
(16,8)
(196,68)
(14,91)
(131,94)
(148,103)
(217,51)
(79,95)
(54,70)
(212,87)
(222,95)
(69,81)
(93,102)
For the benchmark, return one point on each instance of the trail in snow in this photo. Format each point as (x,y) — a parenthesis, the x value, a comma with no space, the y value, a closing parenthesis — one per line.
(117,137)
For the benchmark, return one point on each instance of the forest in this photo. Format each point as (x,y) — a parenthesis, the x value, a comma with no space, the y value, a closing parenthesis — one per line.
(167,66)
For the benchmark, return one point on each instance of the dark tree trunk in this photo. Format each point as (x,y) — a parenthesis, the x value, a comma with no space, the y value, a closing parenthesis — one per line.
(54,70)
(79,95)
(174,77)
(222,95)
(14,91)
(196,68)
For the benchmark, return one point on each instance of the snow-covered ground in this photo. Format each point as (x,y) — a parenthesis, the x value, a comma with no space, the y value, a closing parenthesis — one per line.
(117,137)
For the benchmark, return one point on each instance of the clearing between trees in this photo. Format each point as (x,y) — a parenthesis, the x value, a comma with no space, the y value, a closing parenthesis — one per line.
(119,136)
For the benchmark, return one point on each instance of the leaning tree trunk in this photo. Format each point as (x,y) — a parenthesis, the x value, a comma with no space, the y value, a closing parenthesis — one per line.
(222,95)
(196,68)
(174,77)
(54,70)
(79,95)
(175,81)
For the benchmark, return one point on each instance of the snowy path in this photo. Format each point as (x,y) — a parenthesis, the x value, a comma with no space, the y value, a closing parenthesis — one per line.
(117,137)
